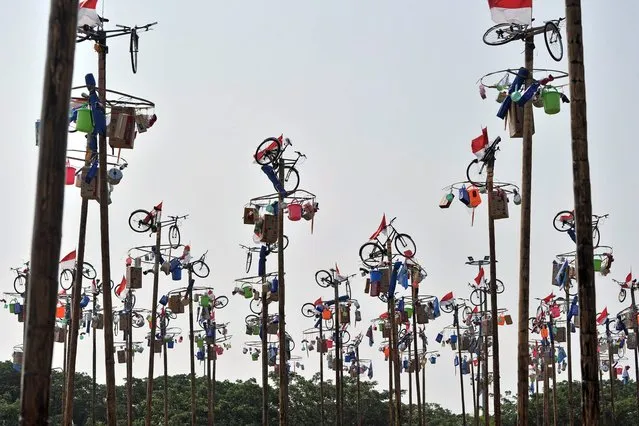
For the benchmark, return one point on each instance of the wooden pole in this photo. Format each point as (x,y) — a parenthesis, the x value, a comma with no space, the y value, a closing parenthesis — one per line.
(636,331)
(192,348)
(47,221)
(546,389)
(166,374)
(424,406)
(472,384)
(129,358)
(154,316)
(410,390)
(571,408)
(208,384)
(213,384)
(109,362)
(486,395)
(359,415)
(480,387)
(583,215)
(338,351)
(459,355)
(417,366)
(321,351)
(394,349)
(283,371)
(67,315)
(391,392)
(524,250)
(554,379)
(264,352)
(94,345)
(493,295)
(610,372)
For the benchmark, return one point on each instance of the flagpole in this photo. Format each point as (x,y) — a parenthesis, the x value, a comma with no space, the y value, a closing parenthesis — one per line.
(571,411)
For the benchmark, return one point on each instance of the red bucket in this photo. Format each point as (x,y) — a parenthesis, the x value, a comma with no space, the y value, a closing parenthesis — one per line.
(70,176)
(294,212)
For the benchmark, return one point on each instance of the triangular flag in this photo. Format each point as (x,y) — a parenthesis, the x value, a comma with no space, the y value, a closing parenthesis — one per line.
(380,229)
(548,298)
(601,318)
(629,278)
(119,290)
(68,261)
(480,276)
(447,298)
(479,144)
(87,14)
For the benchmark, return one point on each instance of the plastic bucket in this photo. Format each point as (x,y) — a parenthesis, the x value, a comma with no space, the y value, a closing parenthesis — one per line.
(176,274)
(84,121)
(294,212)
(597,264)
(164,300)
(433,359)
(376,276)
(326,314)
(248,292)
(70,175)
(552,100)
(114,176)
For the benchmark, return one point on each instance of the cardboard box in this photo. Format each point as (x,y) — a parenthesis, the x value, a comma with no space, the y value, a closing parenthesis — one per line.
(498,205)
(515,120)
(269,229)
(134,277)
(121,129)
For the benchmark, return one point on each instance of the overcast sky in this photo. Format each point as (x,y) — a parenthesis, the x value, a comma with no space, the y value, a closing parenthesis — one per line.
(381,96)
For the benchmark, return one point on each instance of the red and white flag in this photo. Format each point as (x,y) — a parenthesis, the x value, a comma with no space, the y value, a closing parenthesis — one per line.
(87,13)
(601,318)
(548,298)
(511,11)
(629,278)
(381,229)
(480,276)
(479,144)
(447,298)
(68,261)
(121,289)
(338,275)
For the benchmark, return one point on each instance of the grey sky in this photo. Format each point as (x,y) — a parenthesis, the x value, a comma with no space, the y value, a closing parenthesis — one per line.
(381,96)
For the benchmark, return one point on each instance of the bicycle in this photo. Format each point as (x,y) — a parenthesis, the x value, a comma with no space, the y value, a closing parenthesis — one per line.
(174,230)
(475,172)
(564,221)
(199,267)
(324,279)
(478,295)
(142,221)
(22,278)
(373,252)
(67,276)
(271,248)
(310,310)
(507,32)
(133,42)
(270,151)
(623,287)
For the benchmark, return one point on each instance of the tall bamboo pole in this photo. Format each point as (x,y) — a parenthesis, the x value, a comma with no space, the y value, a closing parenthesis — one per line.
(486,395)
(524,250)
(213,380)
(610,372)
(283,371)
(472,384)
(546,389)
(192,347)
(459,354)
(359,414)
(583,215)
(321,351)
(209,389)
(554,378)
(338,351)
(410,390)
(391,409)
(417,366)
(129,358)
(47,222)
(394,348)
(94,344)
(571,408)
(154,317)
(493,294)
(166,373)
(635,328)
(264,338)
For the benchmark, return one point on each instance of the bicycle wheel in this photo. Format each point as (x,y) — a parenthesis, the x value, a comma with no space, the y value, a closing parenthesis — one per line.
(88,271)
(502,34)
(554,44)
(221,302)
(174,236)
(20,284)
(328,324)
(249,261)
(269,155)
(256,306)
(477,297)
(291,179)
(133,48)
(563,221)
(138,221)
(622,295)
(466,312)
(137,320)
(596,237)
(308,310)
(66,279)
(572,287)
(371,254)
(274,248)
(500,286)
(447,307)
(383,297)
(476,173)
(323,278)
(252,319)
(405,245)
(200,269)
(346,337)
(540,311)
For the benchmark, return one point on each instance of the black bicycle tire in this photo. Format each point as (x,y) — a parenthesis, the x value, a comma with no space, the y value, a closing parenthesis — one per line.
(477,293)
(468,173)
(621,297)
(554,29)
(308,310)
(133,321)
(275,249)
(249,261)
(204,267)
(343,340)
(398,238)
(499,284)
(466,312)
(88,275)
(322,281)
(133,300)
(383,296)
(446,307)
(252,319)
(266,142)
(16,283)
(223,301)
(557,216)
(176,229)
(513,36)
(288,172)
(147,225)
(572,283)
(254,310)
(133,49)
(66,272)
(539,311)
(328,323)
(596,237)
(369,260)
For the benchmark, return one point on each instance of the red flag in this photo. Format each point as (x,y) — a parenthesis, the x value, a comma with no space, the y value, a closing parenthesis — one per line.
(548,298)
(317,302)
(629,278)
(479,144)
(87,14)
(68,261)
(119,290)
(601,318)
(380,229)
(480,276)
(511,11)
(448,297)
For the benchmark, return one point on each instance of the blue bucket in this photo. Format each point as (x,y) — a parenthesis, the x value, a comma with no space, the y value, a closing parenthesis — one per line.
(376,276)
(164,300)
(453,338)
(84,302)
(174,264)
(170,344)
(439,337)
(176,274)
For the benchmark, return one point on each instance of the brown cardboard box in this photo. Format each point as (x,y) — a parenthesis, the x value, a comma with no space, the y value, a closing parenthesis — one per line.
(515,120)
(134,277)
(60,334)
(250,214)
(499,205)
(269,229)
(98,323)
(121,129)
(89,190)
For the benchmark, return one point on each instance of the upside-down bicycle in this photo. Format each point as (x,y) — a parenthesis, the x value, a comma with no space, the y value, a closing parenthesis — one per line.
(270,151)
(507,32)
(372,253)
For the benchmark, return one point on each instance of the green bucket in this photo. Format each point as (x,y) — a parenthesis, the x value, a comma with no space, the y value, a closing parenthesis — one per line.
(84,121)
(200,342)
(205,301)
(597,263)
(409,311)
(248,292)
(552,100)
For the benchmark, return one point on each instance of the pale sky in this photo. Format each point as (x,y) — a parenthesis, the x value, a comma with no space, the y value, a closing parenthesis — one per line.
(381,96)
